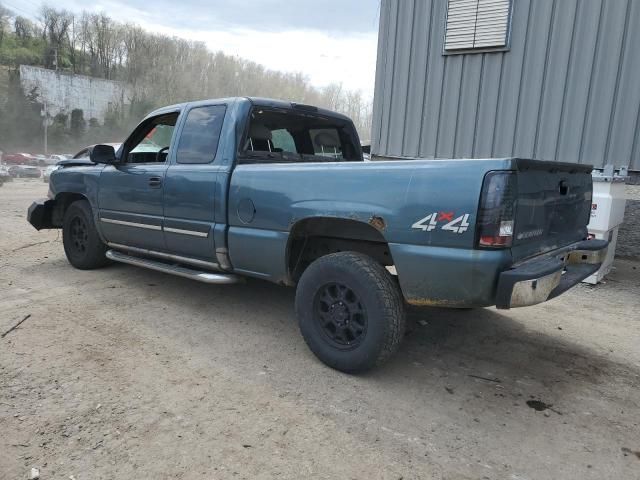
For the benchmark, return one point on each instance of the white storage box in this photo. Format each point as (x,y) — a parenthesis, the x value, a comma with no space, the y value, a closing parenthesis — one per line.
(607,213)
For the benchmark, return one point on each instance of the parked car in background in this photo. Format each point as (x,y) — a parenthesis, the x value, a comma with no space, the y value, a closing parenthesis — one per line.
(4,174)
(58,157)
(20,159)
(48,171)
(24,171)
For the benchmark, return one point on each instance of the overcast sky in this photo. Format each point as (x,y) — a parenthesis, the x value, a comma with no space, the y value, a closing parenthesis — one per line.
(328,40)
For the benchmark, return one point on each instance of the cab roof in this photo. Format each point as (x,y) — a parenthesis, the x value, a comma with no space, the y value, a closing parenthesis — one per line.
(257,102)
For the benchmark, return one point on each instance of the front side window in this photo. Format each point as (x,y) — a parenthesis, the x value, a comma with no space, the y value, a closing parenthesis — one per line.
(199,139)
(151,141)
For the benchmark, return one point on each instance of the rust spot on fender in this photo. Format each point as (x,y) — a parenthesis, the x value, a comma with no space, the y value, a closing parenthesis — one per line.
(377,222)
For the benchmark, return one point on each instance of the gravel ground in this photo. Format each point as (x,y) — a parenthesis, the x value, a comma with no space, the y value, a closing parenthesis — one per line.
(629,235)
(632,192)
(127,373)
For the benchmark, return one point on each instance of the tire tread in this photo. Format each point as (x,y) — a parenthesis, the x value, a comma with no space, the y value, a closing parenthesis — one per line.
(96,256)
(387,290)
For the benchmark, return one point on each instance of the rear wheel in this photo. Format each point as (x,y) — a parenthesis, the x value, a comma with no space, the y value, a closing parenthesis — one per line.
(350,311)
(82,244)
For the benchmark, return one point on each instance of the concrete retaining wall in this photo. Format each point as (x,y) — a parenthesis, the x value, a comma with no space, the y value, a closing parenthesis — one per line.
(63,92)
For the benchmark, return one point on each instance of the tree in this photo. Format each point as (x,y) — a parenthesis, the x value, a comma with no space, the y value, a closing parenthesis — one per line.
(160,70)
(24,29)
(77,124)
(55,31)
(5,15)
(20,119)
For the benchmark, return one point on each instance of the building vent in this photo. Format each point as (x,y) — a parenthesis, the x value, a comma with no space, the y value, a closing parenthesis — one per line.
(477,24)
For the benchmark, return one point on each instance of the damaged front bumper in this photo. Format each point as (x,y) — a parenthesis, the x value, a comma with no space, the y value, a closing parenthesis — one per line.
(542,279)
(40,214)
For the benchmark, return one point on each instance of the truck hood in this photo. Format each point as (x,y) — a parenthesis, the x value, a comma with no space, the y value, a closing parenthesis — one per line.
(75,162)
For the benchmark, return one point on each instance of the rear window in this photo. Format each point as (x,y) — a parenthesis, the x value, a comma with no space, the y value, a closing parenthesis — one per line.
(282,135)
(199,138)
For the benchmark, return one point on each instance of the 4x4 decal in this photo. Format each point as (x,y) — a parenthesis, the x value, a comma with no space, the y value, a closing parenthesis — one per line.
(430,222)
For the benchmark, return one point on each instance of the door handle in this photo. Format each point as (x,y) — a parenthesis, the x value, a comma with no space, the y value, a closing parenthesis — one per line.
(155,182)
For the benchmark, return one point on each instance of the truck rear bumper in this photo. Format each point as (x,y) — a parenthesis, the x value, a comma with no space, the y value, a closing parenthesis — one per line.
(542,279)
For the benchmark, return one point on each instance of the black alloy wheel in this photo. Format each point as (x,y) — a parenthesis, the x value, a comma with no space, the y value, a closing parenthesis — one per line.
(340,315)
(79,234)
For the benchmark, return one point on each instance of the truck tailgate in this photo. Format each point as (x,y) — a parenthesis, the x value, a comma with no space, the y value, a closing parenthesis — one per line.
(552,207)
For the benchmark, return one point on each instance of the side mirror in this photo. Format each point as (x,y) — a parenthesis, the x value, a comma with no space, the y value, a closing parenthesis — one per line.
(103,154)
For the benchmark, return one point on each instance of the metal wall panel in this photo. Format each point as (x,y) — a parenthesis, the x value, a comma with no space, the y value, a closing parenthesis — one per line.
(468,106)
(510,85)
(624,122)
(417,78)
(566,90)
(405,15)
(430,115)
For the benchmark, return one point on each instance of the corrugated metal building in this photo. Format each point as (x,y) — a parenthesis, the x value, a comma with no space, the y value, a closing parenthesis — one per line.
(545,79)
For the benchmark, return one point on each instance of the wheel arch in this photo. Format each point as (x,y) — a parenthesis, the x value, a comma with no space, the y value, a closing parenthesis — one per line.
(313,237)
(61,203)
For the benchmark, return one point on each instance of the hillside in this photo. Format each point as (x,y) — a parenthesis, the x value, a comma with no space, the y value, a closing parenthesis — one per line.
(160,69)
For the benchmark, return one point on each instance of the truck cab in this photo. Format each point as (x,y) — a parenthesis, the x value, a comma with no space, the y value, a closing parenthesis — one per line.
(167,186)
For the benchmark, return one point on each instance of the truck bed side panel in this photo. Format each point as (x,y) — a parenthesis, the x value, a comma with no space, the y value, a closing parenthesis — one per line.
(401,193)
(452,277)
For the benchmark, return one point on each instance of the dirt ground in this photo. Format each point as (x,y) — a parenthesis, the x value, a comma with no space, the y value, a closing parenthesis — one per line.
(125,373)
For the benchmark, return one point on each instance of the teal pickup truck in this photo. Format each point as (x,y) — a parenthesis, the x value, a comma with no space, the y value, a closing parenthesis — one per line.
(223,189)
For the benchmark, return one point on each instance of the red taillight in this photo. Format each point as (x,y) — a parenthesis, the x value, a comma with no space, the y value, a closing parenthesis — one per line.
(497,210)
(495,241)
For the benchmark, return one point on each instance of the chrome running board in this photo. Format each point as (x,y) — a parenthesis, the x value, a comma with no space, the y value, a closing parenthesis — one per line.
(198,275)
(166,256)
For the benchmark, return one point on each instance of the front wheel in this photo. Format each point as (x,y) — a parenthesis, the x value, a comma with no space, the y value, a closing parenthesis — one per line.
(82,244)
(350,311)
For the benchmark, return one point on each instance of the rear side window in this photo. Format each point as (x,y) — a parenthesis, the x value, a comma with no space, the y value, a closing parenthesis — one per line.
(199,139)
